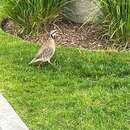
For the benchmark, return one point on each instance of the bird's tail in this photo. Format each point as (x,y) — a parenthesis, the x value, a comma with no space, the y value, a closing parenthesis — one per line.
(33,61)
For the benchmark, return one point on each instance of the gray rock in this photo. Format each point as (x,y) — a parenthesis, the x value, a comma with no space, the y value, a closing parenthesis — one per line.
(9,120)
(81,11)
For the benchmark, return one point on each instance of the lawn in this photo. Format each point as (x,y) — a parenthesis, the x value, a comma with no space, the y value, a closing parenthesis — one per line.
(83,90)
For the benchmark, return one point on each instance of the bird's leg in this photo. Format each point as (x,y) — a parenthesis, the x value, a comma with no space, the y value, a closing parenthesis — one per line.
(39,66)
(52,64)
(49,62)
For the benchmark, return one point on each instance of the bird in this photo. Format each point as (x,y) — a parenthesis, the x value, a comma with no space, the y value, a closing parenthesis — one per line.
(46,51)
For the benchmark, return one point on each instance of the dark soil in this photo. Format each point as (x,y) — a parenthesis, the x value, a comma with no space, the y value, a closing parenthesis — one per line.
(73,35)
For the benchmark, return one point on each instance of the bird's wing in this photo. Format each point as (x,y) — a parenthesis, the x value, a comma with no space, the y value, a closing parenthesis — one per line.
(40,51)
(43,54)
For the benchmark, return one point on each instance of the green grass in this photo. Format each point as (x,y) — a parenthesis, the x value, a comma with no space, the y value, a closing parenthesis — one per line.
(2,12)
(84,91)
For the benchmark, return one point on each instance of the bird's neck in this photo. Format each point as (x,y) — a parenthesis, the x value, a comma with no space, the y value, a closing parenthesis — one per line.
(51,42)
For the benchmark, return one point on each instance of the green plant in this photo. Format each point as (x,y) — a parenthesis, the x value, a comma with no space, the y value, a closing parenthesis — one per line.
(117,19)
(32,14)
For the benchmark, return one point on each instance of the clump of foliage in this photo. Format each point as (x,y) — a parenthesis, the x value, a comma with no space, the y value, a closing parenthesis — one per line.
(32,14)
(116,19)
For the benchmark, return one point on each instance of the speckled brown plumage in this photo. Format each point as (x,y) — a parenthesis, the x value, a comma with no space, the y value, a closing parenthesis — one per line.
(46,52)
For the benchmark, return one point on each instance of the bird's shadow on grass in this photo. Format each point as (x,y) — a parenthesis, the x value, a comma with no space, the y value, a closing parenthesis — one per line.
(46,66)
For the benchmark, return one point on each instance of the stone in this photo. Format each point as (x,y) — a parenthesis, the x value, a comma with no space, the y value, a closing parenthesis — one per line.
(9,120)
(81,11)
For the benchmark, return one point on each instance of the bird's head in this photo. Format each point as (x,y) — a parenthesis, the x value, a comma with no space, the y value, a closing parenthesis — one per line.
(53,34)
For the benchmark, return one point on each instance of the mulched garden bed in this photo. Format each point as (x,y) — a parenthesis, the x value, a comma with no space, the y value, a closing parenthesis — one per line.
(73,35)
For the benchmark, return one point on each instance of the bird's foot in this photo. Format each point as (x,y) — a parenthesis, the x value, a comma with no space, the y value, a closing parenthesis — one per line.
(40,66)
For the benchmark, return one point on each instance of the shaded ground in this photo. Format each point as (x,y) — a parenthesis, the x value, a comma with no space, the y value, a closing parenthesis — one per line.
(73,35)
